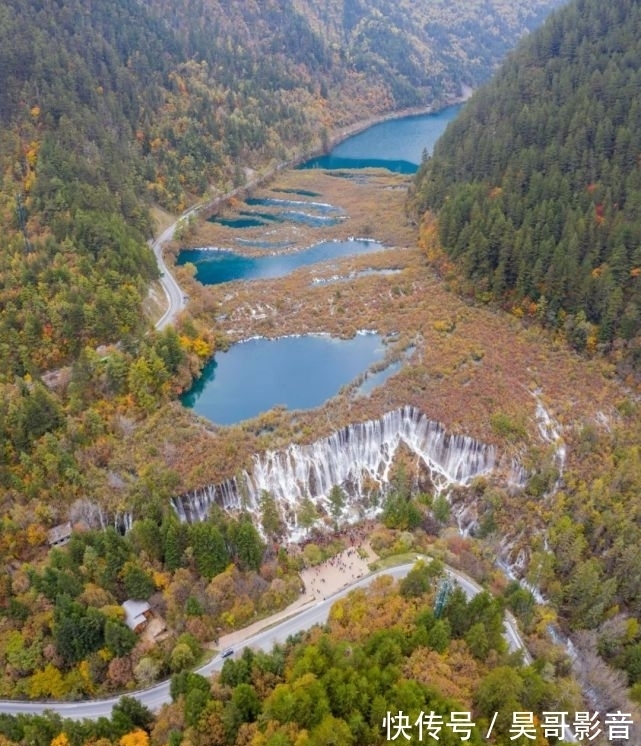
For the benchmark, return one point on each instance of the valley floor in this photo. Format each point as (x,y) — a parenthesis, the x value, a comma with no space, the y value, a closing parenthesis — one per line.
(472,368)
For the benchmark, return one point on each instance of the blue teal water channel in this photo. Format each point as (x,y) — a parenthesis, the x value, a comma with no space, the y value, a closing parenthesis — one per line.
(214,267)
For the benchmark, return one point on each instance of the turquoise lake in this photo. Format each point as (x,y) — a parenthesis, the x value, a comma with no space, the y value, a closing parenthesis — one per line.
(216,267)
(397,144)
(295,372)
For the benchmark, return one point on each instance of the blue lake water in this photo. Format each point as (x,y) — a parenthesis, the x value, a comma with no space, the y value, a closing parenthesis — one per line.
(374,380)
(268,245)
(240,222)
(397,144)
(296,372)
(216,267)
(301,192)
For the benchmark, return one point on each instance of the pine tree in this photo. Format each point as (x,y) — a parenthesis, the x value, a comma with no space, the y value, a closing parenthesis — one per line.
(210,552)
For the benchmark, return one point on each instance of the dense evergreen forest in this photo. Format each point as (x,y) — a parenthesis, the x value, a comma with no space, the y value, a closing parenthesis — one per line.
(537,184)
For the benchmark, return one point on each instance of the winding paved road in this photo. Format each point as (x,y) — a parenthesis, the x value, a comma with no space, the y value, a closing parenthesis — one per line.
(176,298)
(157,695)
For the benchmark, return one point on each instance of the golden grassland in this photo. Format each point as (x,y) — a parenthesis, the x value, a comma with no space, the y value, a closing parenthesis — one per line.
(470,364)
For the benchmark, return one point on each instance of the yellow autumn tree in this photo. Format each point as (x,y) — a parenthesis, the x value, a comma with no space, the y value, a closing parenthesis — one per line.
(136,737)
(48,682)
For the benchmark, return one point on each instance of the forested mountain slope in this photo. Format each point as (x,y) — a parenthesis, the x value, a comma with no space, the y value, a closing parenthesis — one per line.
(412,45)
(538,181)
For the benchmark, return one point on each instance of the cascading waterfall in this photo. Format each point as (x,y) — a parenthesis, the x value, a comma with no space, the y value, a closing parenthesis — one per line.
(94,516)
(551,432)
(356,454)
